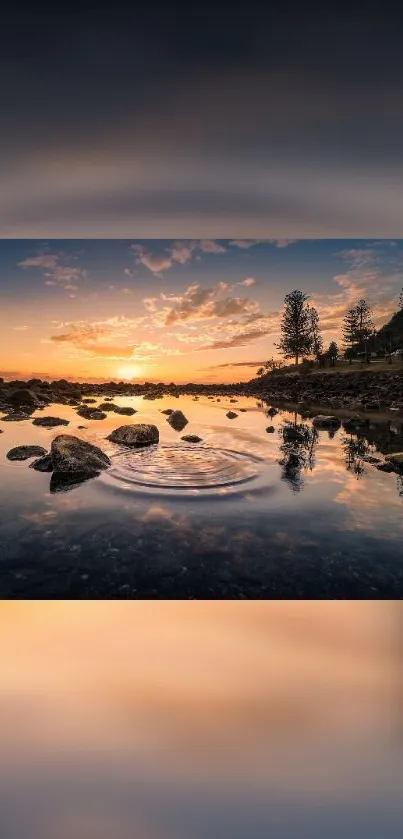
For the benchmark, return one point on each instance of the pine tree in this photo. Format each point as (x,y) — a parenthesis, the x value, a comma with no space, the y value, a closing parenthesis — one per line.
(365,328)
(296,336)
(332,353)
(350,330)
(316,338)
(401,300)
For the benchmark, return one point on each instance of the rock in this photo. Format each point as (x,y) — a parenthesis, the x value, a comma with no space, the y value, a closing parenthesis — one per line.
(271,412)
(44,464)
(270,429)
(168,411)
(243,410)
(177,420)
(231,415)
(24,397)
(396,459)
(107,406)
(70,454)
(370,459)
(191,438)
(49,422)
(322,421)
(125,410)
(233,400)
(16,416)
(89,401)
(81,427)
(91,413)
(135,435)
(24,452)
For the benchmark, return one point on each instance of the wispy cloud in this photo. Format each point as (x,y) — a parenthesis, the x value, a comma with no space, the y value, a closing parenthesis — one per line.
(245,244)
(179,252)
(198,303)
(55,270)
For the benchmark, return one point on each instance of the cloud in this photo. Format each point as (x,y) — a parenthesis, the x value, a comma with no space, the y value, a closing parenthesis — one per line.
(20,328)
(179,252)
(201,303)
(40,261)
(245,244)
(236,364)
(55,271)
(239,340)
(247,282)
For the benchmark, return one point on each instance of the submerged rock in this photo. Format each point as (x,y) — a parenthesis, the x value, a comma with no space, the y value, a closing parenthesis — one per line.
(107,406)
(243,410)
(386,467)
(135,435)
(168,411)
(89,401)
(271,412)
(231,415)
(70,454)
(16,416)
(322,421)
(270,429)
(49,422)
(43,464)
(24,452)
(124,410)
(177,420)
(91,413)
(191,438)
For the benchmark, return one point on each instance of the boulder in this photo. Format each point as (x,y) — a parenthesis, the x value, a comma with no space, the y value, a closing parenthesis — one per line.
(70,454)
(16,416)
(231,415)
(177,420)
(25,398)
(49,422)
(24,452)
(353,424)
(323,421)
(135,435)
(191,438)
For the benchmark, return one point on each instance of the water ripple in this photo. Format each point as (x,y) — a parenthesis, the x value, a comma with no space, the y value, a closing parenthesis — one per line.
(180,469)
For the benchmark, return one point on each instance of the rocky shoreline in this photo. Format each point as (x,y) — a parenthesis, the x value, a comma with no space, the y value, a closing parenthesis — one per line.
(356,390)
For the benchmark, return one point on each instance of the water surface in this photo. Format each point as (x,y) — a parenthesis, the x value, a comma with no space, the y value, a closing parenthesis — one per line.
(243,514)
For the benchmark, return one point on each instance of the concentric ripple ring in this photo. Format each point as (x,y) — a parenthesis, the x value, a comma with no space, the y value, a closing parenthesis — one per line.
(181,469)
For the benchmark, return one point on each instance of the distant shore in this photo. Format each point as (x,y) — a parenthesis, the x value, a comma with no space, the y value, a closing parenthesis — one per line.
(358,390)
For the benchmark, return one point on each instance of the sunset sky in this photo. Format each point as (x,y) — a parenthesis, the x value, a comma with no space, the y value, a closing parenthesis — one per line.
(176,310)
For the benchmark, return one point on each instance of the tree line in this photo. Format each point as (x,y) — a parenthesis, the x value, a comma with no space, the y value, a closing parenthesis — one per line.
(300,334)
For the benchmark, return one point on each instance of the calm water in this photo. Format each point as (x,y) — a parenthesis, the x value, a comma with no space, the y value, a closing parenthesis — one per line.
(241,515)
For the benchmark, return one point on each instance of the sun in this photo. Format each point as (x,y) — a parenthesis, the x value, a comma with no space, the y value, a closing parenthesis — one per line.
(129,371)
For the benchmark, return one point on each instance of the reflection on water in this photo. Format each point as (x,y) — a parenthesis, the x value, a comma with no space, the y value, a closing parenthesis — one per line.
(163,720)
(244,513)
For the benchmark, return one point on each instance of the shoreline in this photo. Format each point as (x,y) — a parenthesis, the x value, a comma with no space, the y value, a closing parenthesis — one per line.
(368,390)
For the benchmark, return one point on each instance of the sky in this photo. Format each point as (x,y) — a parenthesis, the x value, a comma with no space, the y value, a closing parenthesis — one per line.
(201,123)
(189,310)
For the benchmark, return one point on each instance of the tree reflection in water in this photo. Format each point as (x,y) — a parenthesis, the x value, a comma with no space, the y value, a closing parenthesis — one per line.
(298,449)
(355,449)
